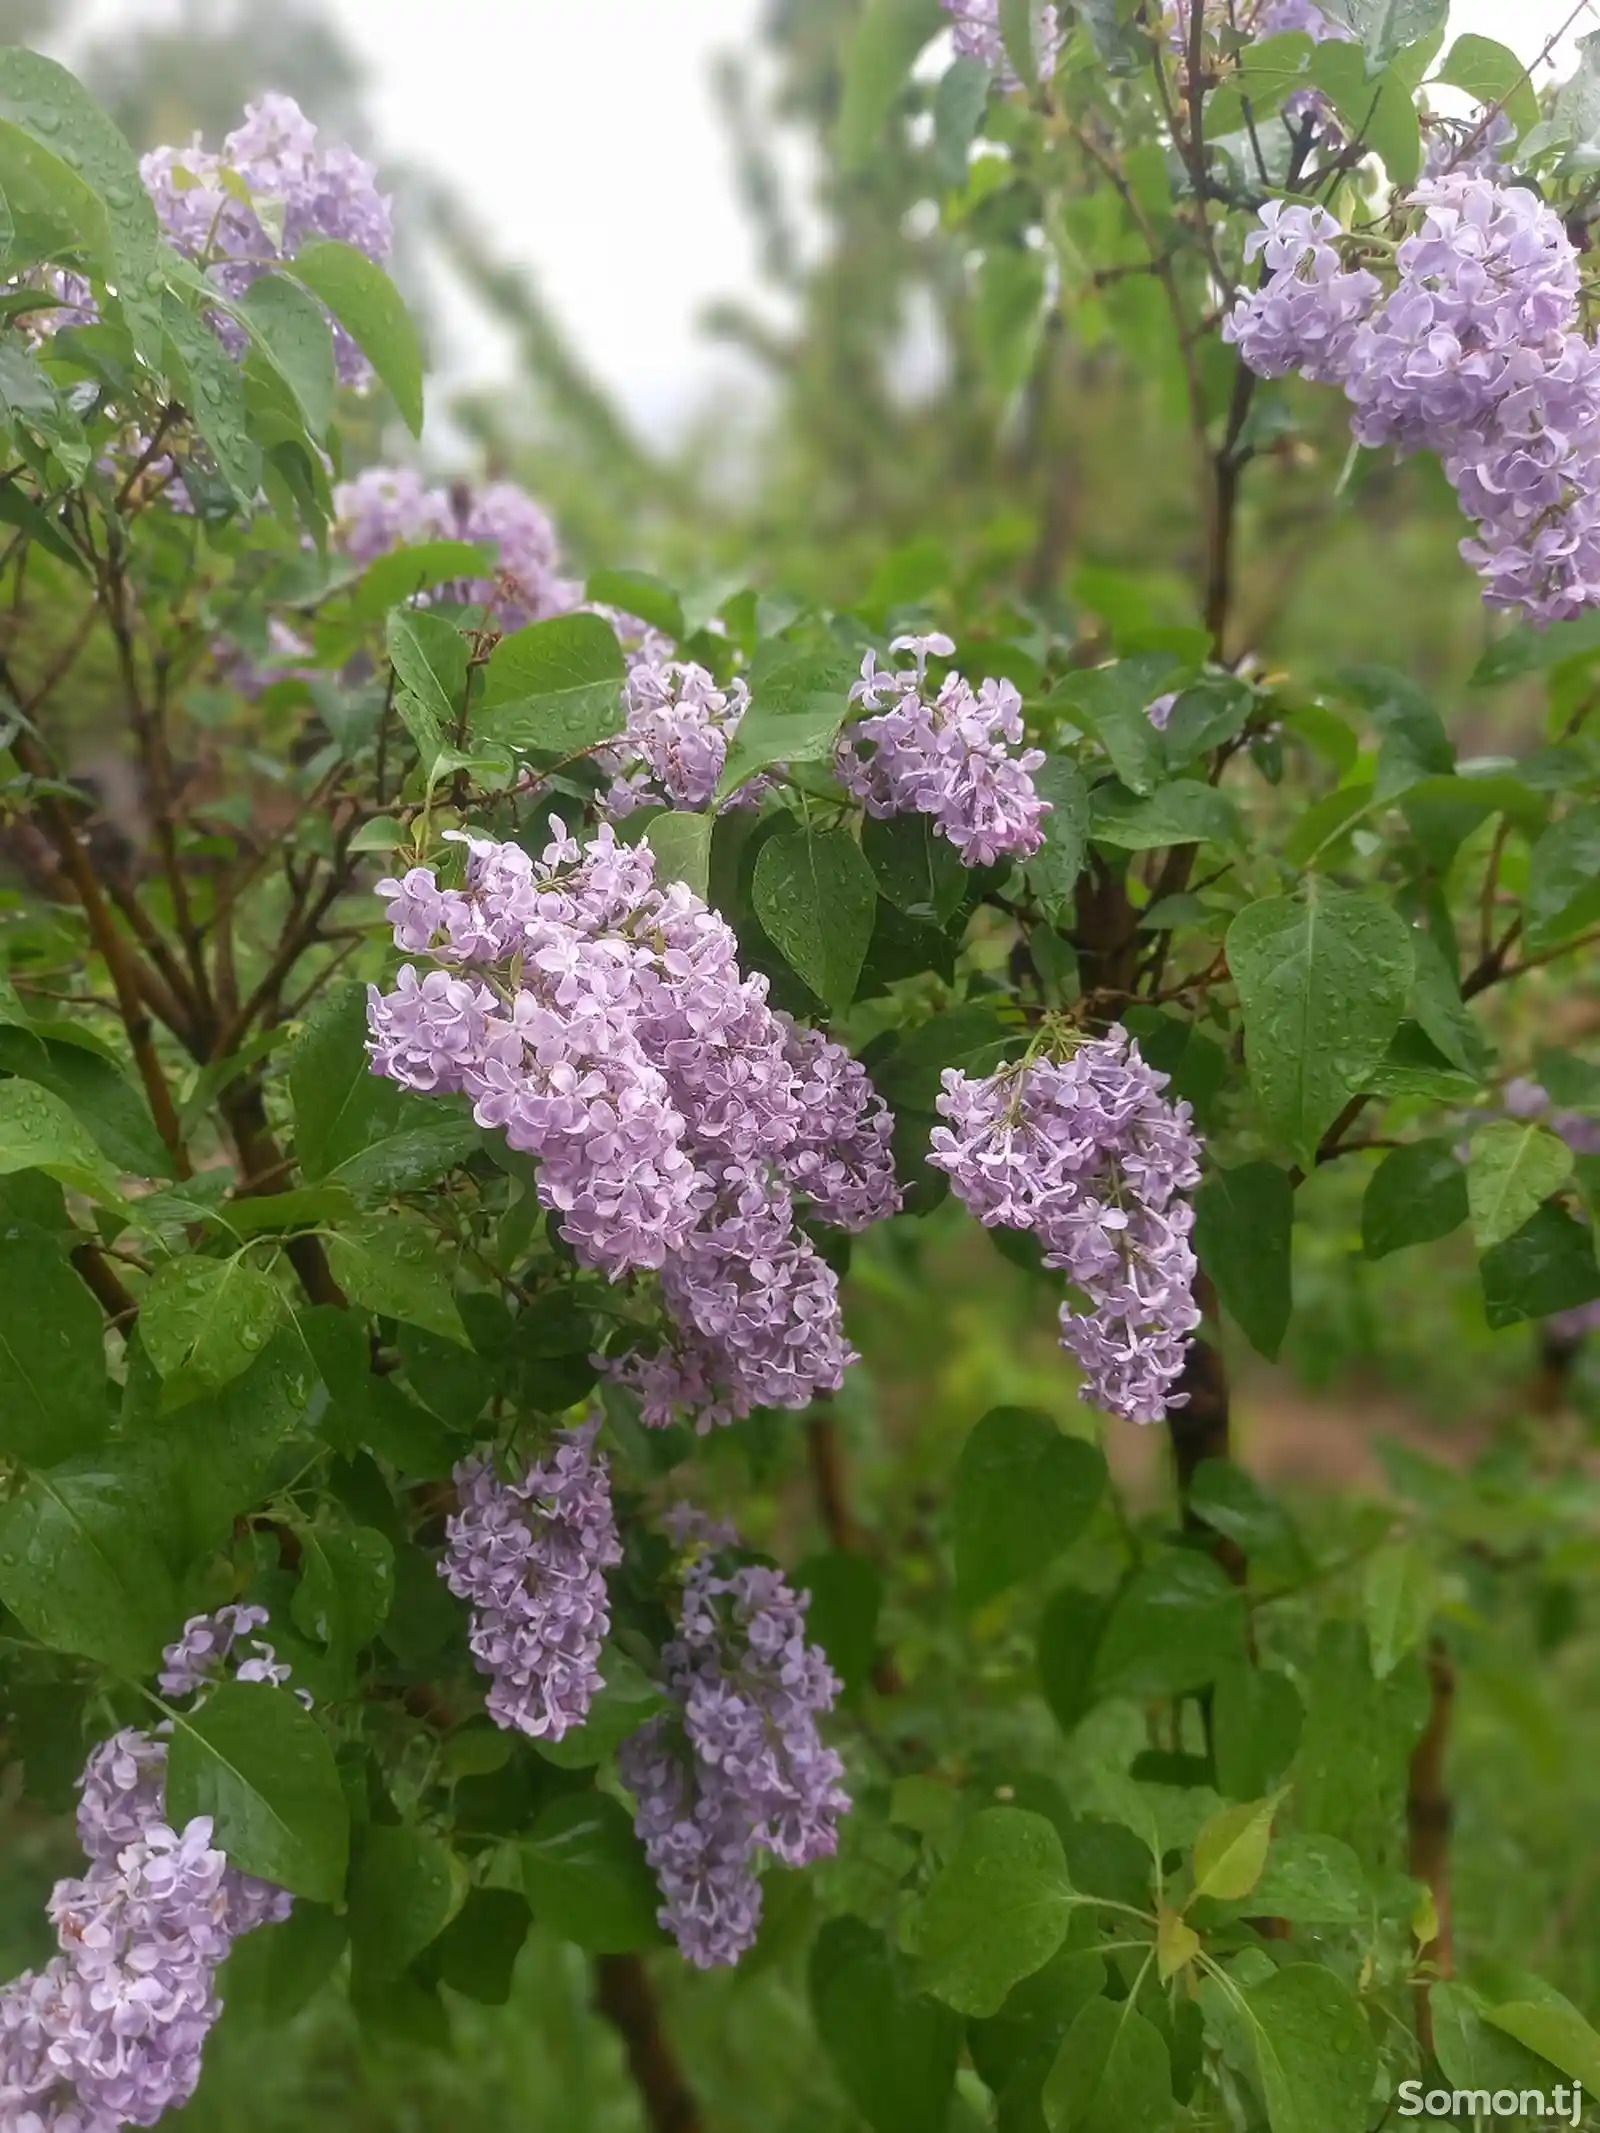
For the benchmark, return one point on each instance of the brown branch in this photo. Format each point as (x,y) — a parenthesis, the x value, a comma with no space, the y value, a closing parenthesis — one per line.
(114,951)
(625,1996)
(263,1166)
(1428,1820)
(101,1280)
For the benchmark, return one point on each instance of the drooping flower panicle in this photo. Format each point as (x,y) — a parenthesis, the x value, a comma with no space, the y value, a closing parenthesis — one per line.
(275,186)
(681,1124)
(110,2032)
(530,1558)
(954,755)
(738,1767)
(1088,1154)
(1475,355)
(385,508)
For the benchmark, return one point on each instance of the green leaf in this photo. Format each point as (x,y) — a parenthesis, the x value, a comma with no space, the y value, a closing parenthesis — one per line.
(1311,1881)
(1549,1265)
(626,1700)
(99,1095)
(290,329)
(1231,1851)
(1113,702)
(1023,1492)
(1243,1229)
(877,68)
(392,1264)
(35,524)
(1399,1592)
(213,390)
(1257,1717)
(1314,2052)
(1111,2075)
(1416,1194)
(959,103)
(1493,76)
(207,1319)
(346,1588)
(45,102)
(1513,1166)
(1413,742)
(1385,27)
(277,1970)
(585,1875)
(1530,647)
(81,1566)
(681,842)
(815,896)
(1323,979)
(1350,1772)
(971,1037)
(369,307)
(554,687)
(999,1909)
(1175,1624)
(798,702)
(1054,869)
(1556,2032)
(405,1887)
(845,1593)
(1232,1502)
(893,2049)
(340,1106)
(636,592)
(917,870)
(1381,113)
(211,1459)
(1069,1630)
(419,1154)
(429,654)
(1440,1009)
(1183,811)
(1008,315)
(39,1132)
(38,184)
(256,1761)
(52,1354)
(398,577)
(477,1953)
(1472,2054)
(1564,877)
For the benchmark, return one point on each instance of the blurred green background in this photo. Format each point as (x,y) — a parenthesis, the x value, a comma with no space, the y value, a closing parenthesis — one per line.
(874,454)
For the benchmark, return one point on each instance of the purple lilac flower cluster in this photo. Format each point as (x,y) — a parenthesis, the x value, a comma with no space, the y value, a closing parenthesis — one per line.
(975,28)
(208,1643)
(110,2032)
(275,187)
(950,759)
(1088,1154)
(1474,355)
(675,745)
(738,1767)
(1524,1098)
(530,1558)
(391,507)
(679,1121)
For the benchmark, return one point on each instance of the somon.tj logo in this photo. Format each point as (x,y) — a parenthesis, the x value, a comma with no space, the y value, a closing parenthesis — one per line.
(1561,2102)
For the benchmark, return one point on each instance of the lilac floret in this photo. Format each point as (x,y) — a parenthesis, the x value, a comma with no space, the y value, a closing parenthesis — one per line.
(976,33)
(1088,1154)
(739,1766)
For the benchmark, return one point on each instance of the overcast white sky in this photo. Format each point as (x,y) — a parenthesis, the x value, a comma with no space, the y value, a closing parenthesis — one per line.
(585,131)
